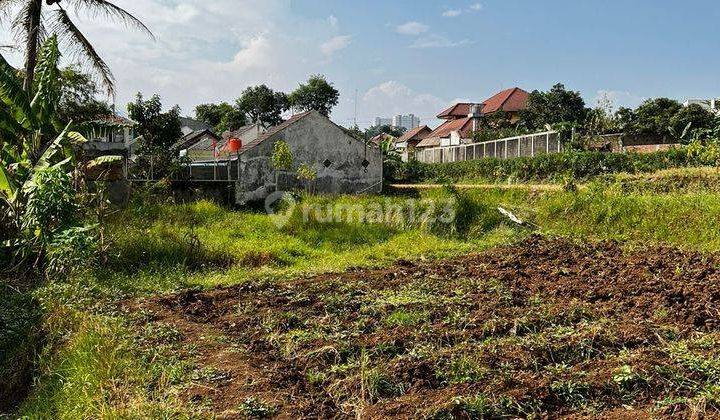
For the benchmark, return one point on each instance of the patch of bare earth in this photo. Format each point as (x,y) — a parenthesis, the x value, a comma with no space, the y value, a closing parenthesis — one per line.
(547,327)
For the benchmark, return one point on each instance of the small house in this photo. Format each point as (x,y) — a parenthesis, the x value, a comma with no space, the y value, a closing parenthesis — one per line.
(462,119)
(343,164)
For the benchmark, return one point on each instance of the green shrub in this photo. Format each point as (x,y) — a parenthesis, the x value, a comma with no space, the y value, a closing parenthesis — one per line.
(580,165)
(19,338)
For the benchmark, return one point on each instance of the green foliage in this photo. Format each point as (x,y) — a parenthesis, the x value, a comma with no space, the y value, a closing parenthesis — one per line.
(51,203)
(222,117)
(580,165)
(19,335)
(554,106)
(317,94)
(262,104)
(78,98)
(159,131)
(36,163)
(667,120)
(384,129)
(282,158)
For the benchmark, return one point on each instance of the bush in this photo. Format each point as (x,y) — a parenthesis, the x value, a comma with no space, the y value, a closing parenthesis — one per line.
(19,338)
(579,165)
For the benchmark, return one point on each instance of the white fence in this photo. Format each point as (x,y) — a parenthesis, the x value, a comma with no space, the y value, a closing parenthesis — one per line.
(521,146)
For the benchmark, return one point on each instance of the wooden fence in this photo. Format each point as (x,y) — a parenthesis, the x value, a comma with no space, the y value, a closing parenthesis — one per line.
(527,145)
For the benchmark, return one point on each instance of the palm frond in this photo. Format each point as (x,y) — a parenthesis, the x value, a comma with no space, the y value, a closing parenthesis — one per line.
(13,95)
(22,25)
(67,29)
(111,12)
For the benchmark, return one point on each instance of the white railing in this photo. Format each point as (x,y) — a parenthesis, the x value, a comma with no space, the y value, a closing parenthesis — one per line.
(527,145)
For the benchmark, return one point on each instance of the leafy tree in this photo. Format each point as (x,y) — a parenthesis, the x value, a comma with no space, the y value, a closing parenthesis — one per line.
(386,129)
(222,117)
(316,94)
(653,118)
(554,106)
(78,98)
(693,119)
(260,103)
(159,131)
(33,15)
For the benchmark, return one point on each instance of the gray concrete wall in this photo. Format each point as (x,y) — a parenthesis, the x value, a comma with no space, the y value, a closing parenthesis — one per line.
(312,140)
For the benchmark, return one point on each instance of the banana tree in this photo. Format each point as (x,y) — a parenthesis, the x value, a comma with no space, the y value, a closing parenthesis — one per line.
(34,146)
(32,138)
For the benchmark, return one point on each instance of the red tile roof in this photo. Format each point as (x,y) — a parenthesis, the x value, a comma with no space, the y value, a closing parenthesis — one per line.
(429,142)
(458,110)
(417,133)
(462,125)
(509,100)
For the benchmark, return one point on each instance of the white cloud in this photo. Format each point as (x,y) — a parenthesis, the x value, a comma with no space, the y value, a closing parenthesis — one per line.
(412,28)
(476,7)
(452,13)
(438,41)
(335,44)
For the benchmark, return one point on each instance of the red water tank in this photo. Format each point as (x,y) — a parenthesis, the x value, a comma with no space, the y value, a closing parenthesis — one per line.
(234,145)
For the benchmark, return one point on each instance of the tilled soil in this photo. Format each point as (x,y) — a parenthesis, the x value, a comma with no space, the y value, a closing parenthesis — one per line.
(546,327)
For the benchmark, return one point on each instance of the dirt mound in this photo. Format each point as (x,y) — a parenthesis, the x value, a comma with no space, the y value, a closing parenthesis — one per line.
(546,327)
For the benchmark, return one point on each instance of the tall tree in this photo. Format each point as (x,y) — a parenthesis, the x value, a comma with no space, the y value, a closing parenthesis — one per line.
(317,94)
(264,105)
(222,117)
(159,131)
(554,106)
(30,29)
(79,97)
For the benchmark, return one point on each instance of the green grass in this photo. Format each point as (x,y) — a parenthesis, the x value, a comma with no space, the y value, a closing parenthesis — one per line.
(96,364)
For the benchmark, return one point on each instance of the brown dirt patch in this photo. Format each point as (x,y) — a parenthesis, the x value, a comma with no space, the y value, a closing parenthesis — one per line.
(546,327)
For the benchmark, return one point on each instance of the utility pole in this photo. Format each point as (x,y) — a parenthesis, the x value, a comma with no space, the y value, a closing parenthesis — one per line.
(355,118)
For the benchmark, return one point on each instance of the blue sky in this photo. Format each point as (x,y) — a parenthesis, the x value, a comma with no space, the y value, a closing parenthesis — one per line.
(415,56)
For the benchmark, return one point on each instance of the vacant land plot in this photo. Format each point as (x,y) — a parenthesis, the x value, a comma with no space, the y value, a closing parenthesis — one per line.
(544,327)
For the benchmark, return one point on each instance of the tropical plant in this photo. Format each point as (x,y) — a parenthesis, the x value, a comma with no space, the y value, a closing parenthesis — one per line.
(36,160)
(34,20)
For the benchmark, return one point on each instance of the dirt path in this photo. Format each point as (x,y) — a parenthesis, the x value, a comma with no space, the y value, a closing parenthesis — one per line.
(546,327)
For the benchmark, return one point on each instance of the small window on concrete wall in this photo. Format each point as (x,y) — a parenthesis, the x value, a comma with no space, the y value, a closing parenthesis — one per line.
(327,163)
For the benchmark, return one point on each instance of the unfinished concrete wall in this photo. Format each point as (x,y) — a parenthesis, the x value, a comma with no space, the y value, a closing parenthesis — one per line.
(313,140)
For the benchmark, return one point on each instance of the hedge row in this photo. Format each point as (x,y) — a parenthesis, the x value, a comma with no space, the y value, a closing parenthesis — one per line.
(554,167)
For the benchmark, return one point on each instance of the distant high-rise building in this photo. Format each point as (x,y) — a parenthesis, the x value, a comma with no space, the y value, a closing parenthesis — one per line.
(408,122)
(381,122)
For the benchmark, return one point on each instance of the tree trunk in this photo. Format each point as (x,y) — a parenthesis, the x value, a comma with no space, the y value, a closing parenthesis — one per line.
(33,35)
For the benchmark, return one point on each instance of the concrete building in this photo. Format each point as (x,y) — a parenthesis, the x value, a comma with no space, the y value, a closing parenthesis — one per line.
(382,122)
(408,122)
(408,141)
(462,119)
(344,164)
